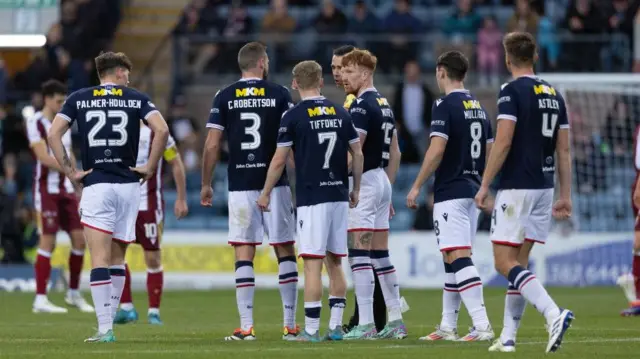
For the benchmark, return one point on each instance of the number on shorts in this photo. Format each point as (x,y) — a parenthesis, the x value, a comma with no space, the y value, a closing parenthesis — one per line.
(251,130)
(494,216)
(436,228)
(101,117)
(476,135)
(151,230)
(331,137)
(548,127)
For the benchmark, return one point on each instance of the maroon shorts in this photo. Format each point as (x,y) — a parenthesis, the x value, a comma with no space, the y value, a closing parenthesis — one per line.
(149,230)
(635,214)
(57,212)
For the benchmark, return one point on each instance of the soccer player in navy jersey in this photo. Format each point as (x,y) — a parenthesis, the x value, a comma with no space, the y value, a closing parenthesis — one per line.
(369,222)
(321,134)
(108,118)
(249,111)
(532,136)
(461,138)
(379,307)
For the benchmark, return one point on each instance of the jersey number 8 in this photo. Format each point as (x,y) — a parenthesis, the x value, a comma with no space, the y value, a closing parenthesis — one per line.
(120,128)
(476,135)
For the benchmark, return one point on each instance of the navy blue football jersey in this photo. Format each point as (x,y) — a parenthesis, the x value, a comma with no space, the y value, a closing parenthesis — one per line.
(109,126)
(539,111)
(320,133)
(249,111)
(462,121)
(372,116)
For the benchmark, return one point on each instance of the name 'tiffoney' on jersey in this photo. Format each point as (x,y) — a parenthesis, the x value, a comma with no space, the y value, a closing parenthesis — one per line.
(249,111)
(319,133)
(109,125)
(539,111)
(460,119)
(372,116)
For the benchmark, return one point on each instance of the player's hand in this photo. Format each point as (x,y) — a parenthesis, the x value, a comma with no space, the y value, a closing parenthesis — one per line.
(180,208)
(206,196)
(76,178)
(354,198)
(636,198)
(412,198)
(263,202)
(481,197)
(145,172)
(392,211)
(562,209)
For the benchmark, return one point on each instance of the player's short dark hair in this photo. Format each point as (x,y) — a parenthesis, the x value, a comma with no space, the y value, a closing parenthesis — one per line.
(53,87)
(109,61)
(455,64)
(250,54)
(520,48)
(343,50)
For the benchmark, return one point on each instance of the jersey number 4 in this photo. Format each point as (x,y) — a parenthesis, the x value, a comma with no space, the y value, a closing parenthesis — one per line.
(548,127)
(120,128)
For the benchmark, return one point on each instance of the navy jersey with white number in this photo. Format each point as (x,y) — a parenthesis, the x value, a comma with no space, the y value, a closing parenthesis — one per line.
(539,111)
(108,119)
(320,133)
(462,121)
(372,116)
(249,111)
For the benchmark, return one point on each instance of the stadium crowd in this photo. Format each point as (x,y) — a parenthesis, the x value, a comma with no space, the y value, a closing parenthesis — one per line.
(568,32)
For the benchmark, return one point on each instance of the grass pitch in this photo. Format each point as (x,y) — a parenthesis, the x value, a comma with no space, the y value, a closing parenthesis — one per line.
(196,322)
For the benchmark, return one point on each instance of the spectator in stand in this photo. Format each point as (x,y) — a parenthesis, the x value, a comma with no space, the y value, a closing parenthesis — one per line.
(584,19)
(618,129)
(363,22)
(330,21)
(401,26)
(184,129)
(548,46)
(237,27)
(412,108)
(489,52)
(524,19)
(277,27)
(200,18)
(460,29)
(620,25)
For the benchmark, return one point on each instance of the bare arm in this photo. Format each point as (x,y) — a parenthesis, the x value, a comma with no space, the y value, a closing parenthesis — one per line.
(40,150)
(431,161)
(210,155)
(355,149)
(499,150)
(394,158)
(278,162)
(58,128)
(179,176)
(563,152)
(363,137)
(158,125)
(486,158)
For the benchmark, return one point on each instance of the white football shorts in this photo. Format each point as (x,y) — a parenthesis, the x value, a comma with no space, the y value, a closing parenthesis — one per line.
(322,228)
(248,224)
(372,212)
(455,223)
(521,215)
(111,208)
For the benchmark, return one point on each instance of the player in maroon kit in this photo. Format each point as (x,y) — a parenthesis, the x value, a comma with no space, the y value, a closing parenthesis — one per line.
(149,227)
(56,205)
(630,283)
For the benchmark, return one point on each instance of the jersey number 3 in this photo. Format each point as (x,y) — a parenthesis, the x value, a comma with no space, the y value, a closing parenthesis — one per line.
(251,130)
(120,127)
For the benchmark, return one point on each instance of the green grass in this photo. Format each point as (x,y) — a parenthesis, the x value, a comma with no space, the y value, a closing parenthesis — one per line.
(196,322)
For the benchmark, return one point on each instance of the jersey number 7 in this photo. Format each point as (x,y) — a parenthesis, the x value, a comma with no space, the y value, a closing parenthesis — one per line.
(331,137)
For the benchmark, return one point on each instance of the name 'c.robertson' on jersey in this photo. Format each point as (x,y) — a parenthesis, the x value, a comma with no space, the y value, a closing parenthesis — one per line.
(249,111)
(540,111)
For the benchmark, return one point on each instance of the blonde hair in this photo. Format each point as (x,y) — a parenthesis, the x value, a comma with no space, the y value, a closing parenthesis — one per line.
(307,75)
(362,58)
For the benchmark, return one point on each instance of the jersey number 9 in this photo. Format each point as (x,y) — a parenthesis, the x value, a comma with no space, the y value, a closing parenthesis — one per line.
(120,128)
